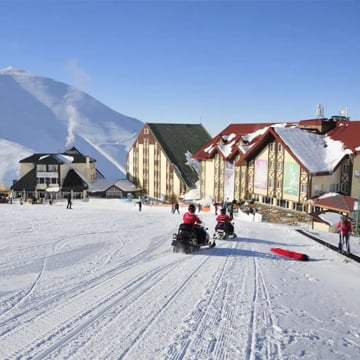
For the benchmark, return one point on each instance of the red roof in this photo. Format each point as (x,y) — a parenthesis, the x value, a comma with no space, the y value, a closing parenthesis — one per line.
(337,202)
(347,132)
(239,130)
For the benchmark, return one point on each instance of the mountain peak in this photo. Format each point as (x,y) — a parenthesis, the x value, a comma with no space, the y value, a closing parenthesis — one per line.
(12,70)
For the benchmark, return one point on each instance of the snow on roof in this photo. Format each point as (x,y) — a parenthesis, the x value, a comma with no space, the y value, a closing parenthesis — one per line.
(327,195)
(64,158)
(105,184)
(209,148)
(229,137)
(226,148)
(331,218)
(318,153)
(251,136)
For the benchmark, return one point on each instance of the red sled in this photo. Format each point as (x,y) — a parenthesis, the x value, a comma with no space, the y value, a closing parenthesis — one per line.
(290,254)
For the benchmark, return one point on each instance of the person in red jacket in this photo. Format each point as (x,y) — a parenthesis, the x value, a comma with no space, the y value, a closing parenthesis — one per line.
(190,218)
(224,220)
(345,229)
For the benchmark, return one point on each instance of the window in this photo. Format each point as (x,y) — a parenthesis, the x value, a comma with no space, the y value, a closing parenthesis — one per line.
(41,167)
(52,168)
(280,148)
(303,188)
(334,187)
(272,147)
(146,131)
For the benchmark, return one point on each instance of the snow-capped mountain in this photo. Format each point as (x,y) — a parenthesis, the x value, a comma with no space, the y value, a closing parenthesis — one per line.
(40,115)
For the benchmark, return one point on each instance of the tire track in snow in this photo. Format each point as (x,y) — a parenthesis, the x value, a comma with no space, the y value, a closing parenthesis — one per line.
(208,333)
(66,320)
(162,308)
(29,314)
(264,333)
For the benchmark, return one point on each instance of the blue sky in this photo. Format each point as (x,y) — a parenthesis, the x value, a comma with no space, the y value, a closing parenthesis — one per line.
(214,62)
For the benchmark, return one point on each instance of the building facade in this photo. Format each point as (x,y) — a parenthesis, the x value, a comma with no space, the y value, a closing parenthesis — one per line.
(53,175)
(281,164)
(160,161)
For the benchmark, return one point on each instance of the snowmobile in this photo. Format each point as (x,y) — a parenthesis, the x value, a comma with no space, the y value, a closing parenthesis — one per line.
(185,240)
(221,232)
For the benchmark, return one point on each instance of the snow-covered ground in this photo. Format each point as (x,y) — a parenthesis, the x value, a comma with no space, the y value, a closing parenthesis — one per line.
(100,281)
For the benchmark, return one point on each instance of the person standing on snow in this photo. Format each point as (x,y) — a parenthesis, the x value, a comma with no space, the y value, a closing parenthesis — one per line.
(189,218)
(69,203)
(344,228)
(176,208)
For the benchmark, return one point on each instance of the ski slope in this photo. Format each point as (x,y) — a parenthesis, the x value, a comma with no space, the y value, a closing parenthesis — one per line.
(100,281)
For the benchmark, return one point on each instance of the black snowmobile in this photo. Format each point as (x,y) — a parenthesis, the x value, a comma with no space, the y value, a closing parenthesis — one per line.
(222,232)
(185,240)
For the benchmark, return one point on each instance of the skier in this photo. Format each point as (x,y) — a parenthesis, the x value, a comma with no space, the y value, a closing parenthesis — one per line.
(345,228)
(224,220)
(190,218)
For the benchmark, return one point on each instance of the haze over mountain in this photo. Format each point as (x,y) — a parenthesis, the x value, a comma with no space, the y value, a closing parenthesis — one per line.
(42,115)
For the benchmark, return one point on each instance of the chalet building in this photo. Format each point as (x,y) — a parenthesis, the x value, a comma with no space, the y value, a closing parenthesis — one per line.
(160,160)
(281,164)
(44,175)
(104,188)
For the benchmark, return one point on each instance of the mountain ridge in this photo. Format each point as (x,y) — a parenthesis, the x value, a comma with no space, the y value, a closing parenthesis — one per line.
(39,114)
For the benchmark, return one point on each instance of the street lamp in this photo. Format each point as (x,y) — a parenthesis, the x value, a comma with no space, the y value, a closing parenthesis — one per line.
(357,175)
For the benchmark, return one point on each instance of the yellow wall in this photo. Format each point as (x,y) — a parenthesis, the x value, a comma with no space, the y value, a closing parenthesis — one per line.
(355,188)
(130,164)
(163,173)
(322,183)
(25,168)
(176,185)
(151,191)
(209,177)
(141,167)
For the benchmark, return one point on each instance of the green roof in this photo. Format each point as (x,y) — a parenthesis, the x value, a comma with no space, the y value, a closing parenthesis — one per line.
(177,140)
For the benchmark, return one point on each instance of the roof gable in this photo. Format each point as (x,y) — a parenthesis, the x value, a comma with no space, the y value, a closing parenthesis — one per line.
(27,182)
(315,152)
(180,142)
(234,139)
(74,181)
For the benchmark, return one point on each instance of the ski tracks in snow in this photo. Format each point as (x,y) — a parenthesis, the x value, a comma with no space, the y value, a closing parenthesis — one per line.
(212,330)
(62,317)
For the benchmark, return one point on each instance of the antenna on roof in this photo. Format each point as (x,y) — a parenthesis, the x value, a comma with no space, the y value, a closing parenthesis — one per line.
(319,111)
(344,112)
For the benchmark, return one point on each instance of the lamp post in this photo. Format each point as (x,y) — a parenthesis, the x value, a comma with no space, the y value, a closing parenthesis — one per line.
(357,175)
